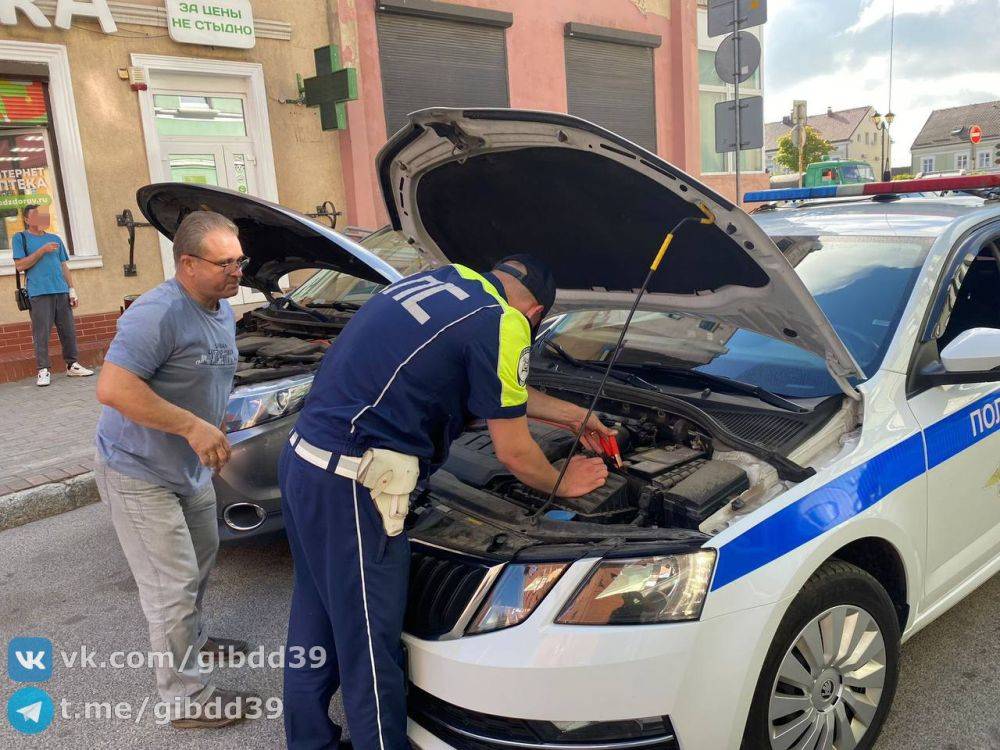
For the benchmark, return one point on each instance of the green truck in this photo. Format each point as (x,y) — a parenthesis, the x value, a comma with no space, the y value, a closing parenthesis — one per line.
(833,172)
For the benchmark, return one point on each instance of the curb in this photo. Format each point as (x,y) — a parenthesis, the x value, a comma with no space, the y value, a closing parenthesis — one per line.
(35,503)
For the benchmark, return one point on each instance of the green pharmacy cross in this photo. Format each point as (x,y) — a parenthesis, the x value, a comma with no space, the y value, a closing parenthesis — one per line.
(331,87)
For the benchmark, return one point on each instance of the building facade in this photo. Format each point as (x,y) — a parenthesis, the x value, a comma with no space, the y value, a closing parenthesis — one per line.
(852,133)
(944,144)
(96,103)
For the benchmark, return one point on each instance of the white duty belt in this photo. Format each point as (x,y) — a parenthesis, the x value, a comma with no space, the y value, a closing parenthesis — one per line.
(389,476)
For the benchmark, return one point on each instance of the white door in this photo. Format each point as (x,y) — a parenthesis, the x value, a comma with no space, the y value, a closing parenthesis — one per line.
(962,436)
(203,138)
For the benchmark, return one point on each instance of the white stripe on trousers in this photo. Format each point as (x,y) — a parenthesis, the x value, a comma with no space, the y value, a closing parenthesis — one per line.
(368,626)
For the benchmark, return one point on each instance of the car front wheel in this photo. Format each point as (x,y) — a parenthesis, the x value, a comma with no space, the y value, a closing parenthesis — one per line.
(830,674)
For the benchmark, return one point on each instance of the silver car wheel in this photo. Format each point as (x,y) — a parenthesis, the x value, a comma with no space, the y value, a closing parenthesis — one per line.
(829,684)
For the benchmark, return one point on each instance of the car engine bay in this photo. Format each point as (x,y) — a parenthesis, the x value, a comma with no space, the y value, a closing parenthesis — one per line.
(263,358)
(667,477)
(675,473)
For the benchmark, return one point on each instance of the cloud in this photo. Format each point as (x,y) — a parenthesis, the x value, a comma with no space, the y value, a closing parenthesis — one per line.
(873,11)
(945,56)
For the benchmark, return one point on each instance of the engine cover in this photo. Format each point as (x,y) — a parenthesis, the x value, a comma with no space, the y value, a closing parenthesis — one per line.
(473,459)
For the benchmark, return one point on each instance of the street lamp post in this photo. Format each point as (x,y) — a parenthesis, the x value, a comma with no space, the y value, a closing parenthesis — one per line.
(882,124)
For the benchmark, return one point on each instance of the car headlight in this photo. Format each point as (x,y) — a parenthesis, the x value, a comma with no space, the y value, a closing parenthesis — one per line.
(515,595)
(256,404)
(669,588)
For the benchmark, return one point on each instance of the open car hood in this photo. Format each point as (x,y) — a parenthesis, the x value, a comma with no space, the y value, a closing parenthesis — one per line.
(275,239)
(472,186)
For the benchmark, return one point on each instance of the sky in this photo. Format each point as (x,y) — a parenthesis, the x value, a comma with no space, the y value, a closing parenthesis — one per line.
(835,53)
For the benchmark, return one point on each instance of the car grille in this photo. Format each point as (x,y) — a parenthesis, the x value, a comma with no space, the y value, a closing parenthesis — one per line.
(442,586)
(471,730)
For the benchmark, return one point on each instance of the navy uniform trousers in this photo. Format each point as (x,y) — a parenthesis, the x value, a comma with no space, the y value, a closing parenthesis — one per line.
(349,599)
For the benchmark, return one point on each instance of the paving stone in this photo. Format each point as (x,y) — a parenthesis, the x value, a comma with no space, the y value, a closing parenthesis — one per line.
(47,430)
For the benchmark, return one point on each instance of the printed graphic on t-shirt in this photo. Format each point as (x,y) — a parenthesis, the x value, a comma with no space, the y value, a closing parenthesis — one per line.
(220,355)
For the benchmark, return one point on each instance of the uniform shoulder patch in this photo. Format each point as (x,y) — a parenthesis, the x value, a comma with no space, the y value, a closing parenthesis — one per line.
(523,366)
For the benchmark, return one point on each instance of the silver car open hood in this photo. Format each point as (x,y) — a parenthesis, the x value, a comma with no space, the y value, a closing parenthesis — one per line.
(472,186)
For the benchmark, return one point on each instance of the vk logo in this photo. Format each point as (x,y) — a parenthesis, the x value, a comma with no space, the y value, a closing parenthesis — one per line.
(29,659)
(30,710)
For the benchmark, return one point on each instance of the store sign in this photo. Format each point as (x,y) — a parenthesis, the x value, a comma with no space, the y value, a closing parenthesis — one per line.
(217,23)
(65,11)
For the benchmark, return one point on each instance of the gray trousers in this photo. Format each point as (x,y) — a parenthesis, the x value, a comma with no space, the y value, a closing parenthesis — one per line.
(170,543)
(47,309)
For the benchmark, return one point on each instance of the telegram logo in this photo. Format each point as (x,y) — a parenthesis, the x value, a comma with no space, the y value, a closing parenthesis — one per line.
(30,710)
(29,659)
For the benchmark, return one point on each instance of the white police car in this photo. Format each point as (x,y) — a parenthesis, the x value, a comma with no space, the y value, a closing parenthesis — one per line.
(811,464)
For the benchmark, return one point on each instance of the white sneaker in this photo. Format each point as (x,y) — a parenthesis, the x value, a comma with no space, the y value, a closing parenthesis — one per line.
(43,377)
(76,370)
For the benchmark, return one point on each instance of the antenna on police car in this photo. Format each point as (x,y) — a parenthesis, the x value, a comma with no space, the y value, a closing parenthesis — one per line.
(707,218)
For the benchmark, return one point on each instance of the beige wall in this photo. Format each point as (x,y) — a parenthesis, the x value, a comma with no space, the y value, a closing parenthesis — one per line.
(871,151)
(307,160)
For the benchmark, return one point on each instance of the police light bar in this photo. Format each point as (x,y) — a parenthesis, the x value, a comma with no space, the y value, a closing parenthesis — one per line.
(925,185)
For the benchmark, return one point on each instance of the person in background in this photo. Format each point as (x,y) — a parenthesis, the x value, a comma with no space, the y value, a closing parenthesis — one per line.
(42,257)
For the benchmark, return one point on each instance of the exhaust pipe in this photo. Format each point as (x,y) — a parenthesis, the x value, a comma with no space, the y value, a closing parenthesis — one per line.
(243,516)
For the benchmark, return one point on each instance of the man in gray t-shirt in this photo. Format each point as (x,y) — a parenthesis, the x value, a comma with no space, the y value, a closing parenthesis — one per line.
(165,384)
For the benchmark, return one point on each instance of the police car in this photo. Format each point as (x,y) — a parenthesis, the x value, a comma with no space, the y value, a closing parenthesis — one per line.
(806,414)
(807,420)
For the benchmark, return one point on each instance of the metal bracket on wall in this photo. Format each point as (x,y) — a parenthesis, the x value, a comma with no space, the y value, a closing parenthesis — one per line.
(326,210)
(125,219)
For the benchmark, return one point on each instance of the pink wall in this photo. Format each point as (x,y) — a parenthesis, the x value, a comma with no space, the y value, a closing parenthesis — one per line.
(537,78)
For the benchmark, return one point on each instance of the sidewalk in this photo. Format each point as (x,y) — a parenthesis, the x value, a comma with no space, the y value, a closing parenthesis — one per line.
(47,448)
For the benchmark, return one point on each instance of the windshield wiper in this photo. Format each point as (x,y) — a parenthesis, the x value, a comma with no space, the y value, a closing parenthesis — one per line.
(341,306)
(287,303)
(623,377)
(722,382)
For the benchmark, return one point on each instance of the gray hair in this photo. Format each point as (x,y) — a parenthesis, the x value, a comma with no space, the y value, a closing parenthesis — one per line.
(195,227)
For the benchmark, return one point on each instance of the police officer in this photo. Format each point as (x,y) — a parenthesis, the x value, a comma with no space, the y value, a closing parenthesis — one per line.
(401,381)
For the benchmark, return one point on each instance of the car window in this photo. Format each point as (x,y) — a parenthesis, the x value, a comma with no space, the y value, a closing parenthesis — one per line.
(862,285)
(327,286)
(976,299)
(857,173)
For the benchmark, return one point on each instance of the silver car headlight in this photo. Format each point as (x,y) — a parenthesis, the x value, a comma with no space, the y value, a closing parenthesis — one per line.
(252,405)
(515,595)
(668,588)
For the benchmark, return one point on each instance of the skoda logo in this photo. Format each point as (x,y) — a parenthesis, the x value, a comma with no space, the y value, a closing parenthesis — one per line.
(826,689)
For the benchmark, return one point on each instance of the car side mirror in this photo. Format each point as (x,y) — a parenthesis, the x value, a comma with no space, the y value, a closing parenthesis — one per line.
(971,357)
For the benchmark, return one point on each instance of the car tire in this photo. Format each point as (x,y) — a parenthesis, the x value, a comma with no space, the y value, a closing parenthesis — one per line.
(804,684)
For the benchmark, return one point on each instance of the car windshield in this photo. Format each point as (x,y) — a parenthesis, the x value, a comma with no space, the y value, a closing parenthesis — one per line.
(326,286)
(857,173)
(860,283)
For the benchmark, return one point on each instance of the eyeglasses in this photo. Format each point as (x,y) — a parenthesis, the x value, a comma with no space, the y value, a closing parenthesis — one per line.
(229,266)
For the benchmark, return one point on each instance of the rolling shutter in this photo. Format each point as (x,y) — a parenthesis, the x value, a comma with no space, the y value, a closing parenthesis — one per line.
(430,62)
(611,84)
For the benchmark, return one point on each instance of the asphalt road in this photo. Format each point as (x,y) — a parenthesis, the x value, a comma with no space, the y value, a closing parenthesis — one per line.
(65,578)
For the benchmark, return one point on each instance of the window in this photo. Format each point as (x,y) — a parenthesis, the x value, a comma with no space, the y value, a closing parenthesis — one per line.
(962,161)
(28,164)
(203,116)
(927,164)
(983,159)
(975,303)
(712,91)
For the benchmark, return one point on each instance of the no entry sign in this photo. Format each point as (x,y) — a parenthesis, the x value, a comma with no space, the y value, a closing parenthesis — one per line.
(975,134)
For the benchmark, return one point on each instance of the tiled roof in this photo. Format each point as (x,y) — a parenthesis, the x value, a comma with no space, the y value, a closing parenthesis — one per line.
(834,126)
(938,130)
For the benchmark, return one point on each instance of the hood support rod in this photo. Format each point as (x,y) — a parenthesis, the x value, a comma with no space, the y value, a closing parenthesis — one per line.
(707,218)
